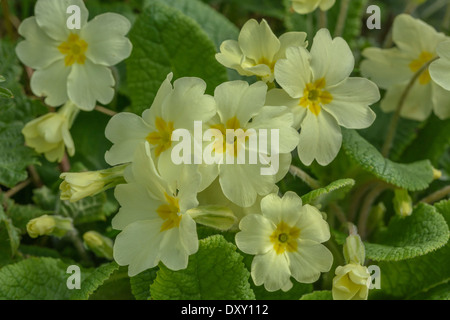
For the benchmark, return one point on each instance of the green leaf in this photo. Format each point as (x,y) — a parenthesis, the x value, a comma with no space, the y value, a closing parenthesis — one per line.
(165,40)
(215,272)
(318,295)
(8,232)
(6,93)
(140,284)
(94,281)
(409,278)
(216,26)
(333,191)
(408,237)
(34,279)
(441,292)
(432,142)
(413,177)
(14,156)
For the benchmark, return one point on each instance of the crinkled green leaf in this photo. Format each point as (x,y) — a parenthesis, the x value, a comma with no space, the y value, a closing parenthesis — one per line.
(408,278)
(318,295)
(408,237)
(165,40)
(441,292)
(94,281)
(216,26)
(140,284)
(413,177)
(215,272)
(333,191)
(35,279)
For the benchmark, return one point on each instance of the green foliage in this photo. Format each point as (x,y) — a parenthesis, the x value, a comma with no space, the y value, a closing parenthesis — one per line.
(318,295)
(408,237)
(419,277)
(165,40)
(333,191)
(413,177)
(215,272)
(34,279)
(140,284)
(94,281)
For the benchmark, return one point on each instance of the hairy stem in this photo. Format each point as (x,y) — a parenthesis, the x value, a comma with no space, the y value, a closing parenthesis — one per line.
(396,117)
(106,111)
(78,244)
(11,192)
(306,178)
(323,20)
(340,25)
(436,196)
(367,206)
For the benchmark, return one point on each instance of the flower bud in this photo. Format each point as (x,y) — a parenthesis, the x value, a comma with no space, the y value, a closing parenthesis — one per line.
(49,133)
(351,282)
(437,174)
(78,185)
(402,203)
(49,225)
(354,251)
(217,217)
(99,244)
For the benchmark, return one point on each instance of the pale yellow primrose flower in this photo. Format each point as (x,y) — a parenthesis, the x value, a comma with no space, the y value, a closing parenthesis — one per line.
(49,225)
(153,219)
(49,134)
(286,241)
(322,96)
(308,6)
(258,49)
(173,108)
(351,282)
(440,69)
(241,106)
(79,185)
(392,69)
(73,64)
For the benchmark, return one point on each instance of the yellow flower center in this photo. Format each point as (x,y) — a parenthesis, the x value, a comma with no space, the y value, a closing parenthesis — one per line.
(267,62)
(284,238)
(417,64)
(231,145)
(314,96)
(169,213)
(74,49)
(162,138)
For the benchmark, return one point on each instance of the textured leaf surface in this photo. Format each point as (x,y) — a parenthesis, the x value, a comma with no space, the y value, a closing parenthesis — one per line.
(215,272)
(413,177)
(318,295)
(34,279)
(405,238)
(333,190)
(94,281)
(165,40)
(140,284)
(408,278)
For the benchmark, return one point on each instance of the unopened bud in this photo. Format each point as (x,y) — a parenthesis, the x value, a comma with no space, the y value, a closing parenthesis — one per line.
(49,225)
(217,217)
(402,203)
(354,251)
(437,174)
(102,246)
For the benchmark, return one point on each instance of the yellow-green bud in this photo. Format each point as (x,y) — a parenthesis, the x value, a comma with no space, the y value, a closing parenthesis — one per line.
(49,133)
(79,185)
(351,282)
(102,246)
(354,251)
(49,225)
(437,174)
(402,203)
(217,217)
